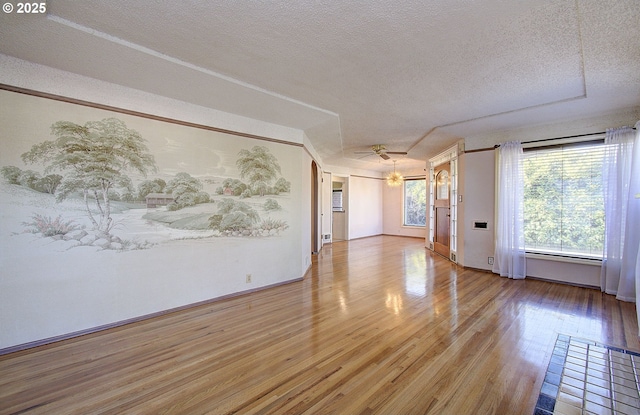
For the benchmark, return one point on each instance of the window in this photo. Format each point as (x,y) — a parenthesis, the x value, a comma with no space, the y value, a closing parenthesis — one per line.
(442,185)
(563,200)
(337,201)
(415,202)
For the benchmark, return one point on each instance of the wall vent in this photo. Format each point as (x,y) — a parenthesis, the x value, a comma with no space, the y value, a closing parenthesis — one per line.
(326,236)
(478,224)
(452,256)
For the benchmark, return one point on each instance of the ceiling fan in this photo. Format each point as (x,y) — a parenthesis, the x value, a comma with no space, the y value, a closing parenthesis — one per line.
(381,150)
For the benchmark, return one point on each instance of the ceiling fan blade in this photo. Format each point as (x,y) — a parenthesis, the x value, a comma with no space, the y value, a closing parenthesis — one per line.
(397,152)
(384,156)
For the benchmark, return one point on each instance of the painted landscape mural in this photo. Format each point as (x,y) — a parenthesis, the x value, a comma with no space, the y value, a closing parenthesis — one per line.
(134,204)
(92,165)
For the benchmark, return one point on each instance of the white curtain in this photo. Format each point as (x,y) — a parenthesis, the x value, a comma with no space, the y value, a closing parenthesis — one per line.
(509,256)
(621,176)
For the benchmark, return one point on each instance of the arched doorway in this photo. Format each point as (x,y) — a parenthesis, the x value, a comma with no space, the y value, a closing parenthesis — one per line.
(314,209)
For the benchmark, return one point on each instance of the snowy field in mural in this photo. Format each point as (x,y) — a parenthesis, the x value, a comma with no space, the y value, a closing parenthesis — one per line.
(28,214)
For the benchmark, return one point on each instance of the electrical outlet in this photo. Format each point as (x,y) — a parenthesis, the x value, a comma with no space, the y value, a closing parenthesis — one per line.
(490,260)
(248,278)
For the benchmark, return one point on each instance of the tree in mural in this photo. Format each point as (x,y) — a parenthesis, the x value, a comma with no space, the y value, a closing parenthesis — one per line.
(150,186)
(233,216)
(282,186)
(31,179)
(49,183)
(259,167)
(234,186)
(11,174)
(186,191)
(94,159)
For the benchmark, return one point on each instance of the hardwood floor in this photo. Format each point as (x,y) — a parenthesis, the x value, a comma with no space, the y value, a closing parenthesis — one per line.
(379,325)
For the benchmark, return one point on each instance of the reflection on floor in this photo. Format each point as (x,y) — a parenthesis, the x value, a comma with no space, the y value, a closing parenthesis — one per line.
(585,377)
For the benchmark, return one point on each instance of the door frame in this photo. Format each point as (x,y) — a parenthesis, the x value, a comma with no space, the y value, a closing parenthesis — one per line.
(442,206)
(451,156)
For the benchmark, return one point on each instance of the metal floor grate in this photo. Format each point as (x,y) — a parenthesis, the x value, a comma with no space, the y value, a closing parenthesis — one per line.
(586,377)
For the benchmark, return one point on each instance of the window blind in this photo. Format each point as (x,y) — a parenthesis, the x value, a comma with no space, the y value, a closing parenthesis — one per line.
(563,198)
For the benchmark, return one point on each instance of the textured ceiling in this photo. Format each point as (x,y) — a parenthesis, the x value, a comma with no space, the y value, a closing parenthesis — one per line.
(414,75)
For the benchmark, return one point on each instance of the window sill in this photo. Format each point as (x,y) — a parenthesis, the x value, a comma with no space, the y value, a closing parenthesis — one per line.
(562,258)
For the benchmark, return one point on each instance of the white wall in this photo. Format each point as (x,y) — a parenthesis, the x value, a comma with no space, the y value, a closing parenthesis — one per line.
(628,116)
(365,207)
(579,274)
(60,306)
(305,211)
(476,185)
(325,207)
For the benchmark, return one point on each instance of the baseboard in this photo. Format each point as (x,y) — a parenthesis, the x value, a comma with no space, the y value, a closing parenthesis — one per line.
(477,269)
(42,342)
(573,284)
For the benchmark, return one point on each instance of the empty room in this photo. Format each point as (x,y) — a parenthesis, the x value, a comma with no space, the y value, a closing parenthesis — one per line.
(413,207)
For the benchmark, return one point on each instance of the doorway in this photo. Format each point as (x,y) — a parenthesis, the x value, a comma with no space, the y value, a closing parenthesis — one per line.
(314,209)
(442,209)
(339,209)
